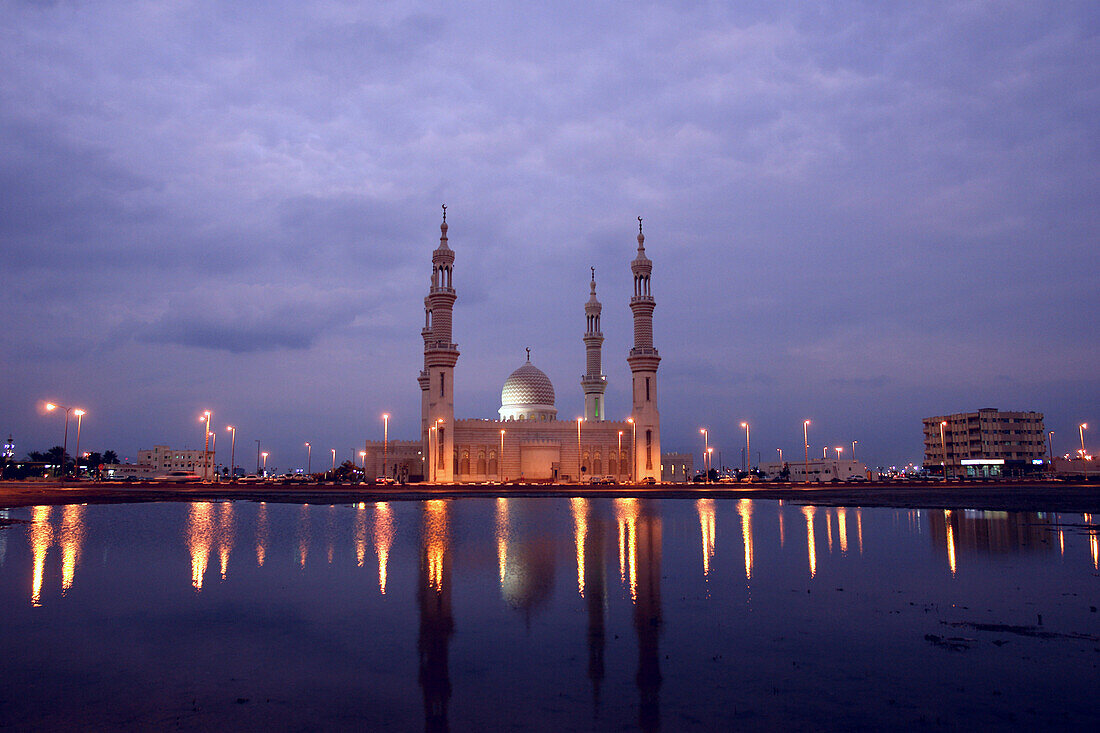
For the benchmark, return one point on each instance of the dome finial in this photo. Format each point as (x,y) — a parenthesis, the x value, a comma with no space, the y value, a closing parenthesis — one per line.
(445,215)
(641,237)
(639,220)
(528,354)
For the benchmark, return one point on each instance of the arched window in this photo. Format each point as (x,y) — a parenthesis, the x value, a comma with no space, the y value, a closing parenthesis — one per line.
(612,466)
(597,465)
(481,465)
(464,464)
(494,467)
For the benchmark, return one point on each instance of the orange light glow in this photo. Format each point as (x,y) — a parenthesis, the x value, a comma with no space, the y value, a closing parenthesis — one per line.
(225,536)
(808,512)
(437,536)
(261,534)
(705,507)
(200,536)
(626,514)
(580,533)
(72,541)
(383,540)
(41,537)
(744,508)
(503,530)
(360,534)
(842,529)
(304,532)
(950,541)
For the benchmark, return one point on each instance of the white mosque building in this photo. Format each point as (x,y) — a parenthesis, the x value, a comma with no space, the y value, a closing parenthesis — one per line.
(528,442)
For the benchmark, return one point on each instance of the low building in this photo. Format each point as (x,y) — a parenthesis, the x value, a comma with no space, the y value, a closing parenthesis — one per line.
(988,442)
(162,459)
(817,469)
(401,460)
(677,467)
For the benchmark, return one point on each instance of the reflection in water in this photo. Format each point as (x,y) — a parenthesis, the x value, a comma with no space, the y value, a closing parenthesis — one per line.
(72,540)
(3,537)
(580,532)
(808,511)
(433,594)
(41,537)
(303,535)
(330,532)
(744,508)
(950,540)
(595,575)
(647,614)
(859,528)
(383,540)
(360,533)
(626,514)
(261,534)
(200,536)
(829,530)
(842,529)
(225,535)
(705,507)
(782,534)
(503,532)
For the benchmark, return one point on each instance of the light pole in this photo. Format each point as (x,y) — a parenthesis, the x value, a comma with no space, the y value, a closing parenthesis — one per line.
(748,459)
(363,458)
(205,418)
(619,458)
(309,459)
(710,461)
(780,457)
(76,459)
(264,454)
(633,451)
(385,442)
(806,445)
(579,465)
(333,464)
(50,407)
(706,451)
(854,449)
(838,451)
(943,447)
(1050,448)
(500,459)
(232,452)
(1084,454)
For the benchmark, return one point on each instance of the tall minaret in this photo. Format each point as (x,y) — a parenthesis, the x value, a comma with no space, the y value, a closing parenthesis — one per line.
(643,362)
(440,357)
(593,382)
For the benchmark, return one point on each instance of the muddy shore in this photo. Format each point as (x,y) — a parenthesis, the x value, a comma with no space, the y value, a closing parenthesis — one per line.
(1007,496)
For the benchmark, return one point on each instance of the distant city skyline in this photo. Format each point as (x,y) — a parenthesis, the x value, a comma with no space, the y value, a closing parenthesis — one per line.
(860,217)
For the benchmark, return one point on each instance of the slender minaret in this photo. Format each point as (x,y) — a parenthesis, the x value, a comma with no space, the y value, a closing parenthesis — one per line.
(440,357)
(643,362)
(593,382)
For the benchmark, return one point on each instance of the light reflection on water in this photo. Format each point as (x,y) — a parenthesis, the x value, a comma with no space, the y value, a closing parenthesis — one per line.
(448,550)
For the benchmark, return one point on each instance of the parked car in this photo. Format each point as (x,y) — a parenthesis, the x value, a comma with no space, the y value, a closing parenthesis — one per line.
(250,478)
(649,480)
(387,480)
(179,477)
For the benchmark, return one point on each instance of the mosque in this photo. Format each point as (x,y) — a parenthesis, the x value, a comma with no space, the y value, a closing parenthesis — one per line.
(528,442)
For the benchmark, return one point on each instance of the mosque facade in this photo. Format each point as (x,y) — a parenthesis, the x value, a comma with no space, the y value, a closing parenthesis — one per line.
(527,442)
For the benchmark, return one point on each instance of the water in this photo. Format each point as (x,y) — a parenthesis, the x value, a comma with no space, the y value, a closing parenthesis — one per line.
(551,614)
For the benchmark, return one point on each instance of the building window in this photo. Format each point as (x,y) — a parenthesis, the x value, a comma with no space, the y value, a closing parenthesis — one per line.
(647,389)
(648,447)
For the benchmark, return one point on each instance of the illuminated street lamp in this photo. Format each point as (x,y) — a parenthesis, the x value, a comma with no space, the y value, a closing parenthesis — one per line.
(363,458)
(333,463)
(619,456)
(1084,454)
(205,418)
(748,460)
(706,451)
(385,442)
(633,451)
(50,407)
(76,461)
(500,459)
(943,447)
(854,449)
(806,446)
(264,454)
(579,466)
(838,452)
(232,452)
(309,458)
(710,461)
(780,455)
(1050,448)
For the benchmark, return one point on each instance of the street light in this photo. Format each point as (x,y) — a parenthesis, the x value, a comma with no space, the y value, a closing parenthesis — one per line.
(334,464)
(633,451)
(76,461)
(500,459)
(579,466)
(264,454)
(1084,454)
(1050,448)
(854,449)
(838,451)
(363,458)
(748,460)
(232,452)
(205,418)
(385,441)
(706,451)
(780,456)
(619,458)
(309,458)
(710,461)
(806,445)
(943,447)
(50,407)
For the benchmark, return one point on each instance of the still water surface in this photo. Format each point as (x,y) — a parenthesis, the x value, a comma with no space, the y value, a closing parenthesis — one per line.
(558,614)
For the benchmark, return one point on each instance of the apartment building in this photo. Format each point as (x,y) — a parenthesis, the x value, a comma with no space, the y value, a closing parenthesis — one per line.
(988,442)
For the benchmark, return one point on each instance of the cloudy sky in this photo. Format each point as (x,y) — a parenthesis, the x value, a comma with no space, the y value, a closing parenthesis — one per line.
(860,213)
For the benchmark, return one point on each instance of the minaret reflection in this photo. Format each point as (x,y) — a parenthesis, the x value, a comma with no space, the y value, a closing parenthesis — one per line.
(744,508)
(808,511)
(41,537)
(383,540)
(503,533)
(225,535)
(626,515)
(360,533)
(261,534)
(595,572)
(433,595)
(842,529)
(200,536)
(72,541)
(705,507)
(647,614)
(303,535)
(580,533)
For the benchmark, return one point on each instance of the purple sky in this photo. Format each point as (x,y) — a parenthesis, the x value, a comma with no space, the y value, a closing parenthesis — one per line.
(862,213)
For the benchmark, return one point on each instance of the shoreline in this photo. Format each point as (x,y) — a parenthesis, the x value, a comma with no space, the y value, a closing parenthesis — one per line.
(1017,496)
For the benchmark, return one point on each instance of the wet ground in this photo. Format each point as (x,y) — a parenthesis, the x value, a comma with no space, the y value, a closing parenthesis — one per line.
(546,614)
